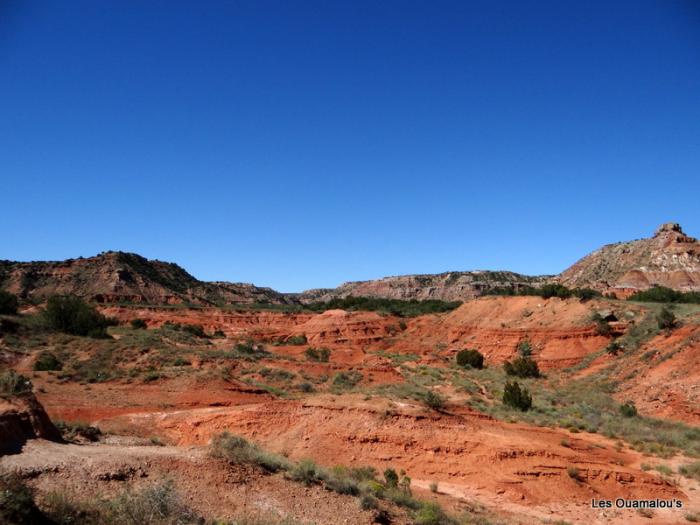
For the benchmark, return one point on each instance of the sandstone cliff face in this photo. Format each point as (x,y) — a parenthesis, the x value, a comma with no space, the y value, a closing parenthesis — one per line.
(448,286)
(23,418)
(124,277)
(670,258)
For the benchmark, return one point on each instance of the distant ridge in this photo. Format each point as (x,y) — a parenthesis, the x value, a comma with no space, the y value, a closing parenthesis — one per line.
(113,277)
(670,258)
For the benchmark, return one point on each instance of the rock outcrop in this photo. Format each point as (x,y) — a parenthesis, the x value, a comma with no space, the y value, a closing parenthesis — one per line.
(670,258)
(23,418)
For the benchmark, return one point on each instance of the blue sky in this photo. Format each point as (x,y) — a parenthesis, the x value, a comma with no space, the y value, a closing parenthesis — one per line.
(302,144)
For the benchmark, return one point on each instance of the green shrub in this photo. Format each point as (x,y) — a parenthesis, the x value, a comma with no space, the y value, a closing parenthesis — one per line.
(574,473)
(78,431)
(8,303)
(472,358)
(691,470)
(517,397)
(196,330)
(433,400)
(13,384)
(238,450)
(391,478)
(602,326)
(318,354)
(46,361)
(296,340)
(306,472)
(17,502)
(430,513)
(158,504)
(666,319)
(368,502)
(522,367)
(613,348)
(138,324)
(628,409)
(346,380)
(525,348)
(72,315)
(661,294)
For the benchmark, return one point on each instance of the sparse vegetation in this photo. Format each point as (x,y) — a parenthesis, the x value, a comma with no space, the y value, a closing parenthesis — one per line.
(17,501)
(471,358)
(346,380)
(238,450)
(9,303)
(433,400)
(398,307)
(320,355)
(545,291)
(76,432)
(13,384)
(691,470)
(296,340)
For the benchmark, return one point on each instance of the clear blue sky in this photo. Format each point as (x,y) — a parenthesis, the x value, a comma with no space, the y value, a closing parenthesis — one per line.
(302,144)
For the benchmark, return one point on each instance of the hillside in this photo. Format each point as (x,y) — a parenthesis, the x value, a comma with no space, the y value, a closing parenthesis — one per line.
(670,258)
(124,277)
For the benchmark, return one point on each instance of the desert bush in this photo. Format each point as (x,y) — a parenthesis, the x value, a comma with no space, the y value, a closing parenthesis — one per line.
(276,374)
(238,450)
(574,473)
(472,358)
(306,472)
(346,380)
(525,348)
(517,397)
(433,487)
(430,513)
(78,431)
(613,348)
(13,384)
(522,367)
(318,354)
(72,315)
(666,319)
(196,330)
(391,478)
(17,501)
(691,470)
(138,324)
(628,409)
(433,400)
(8,303)
(219,334)
(296,340)
(368,502)
(158,504)
(602,326)
(46,361)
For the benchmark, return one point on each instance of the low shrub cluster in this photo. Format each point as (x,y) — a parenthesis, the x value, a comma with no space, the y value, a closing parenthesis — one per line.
(320,355)
(238,450)
(470,358)
(13,384)
(47,362)
(666,319)
(8,303)
(72,315)
(522,367)
(138,324)
(77,432)
(545,291)
(296,340)
(346,380)
(661,294)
